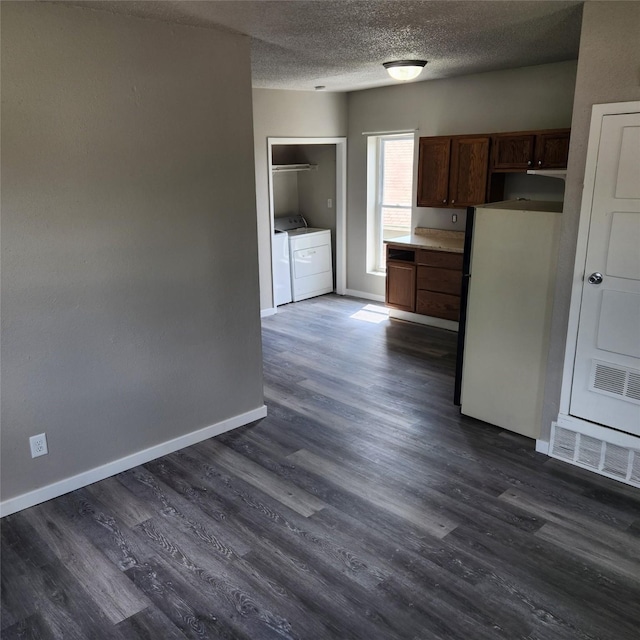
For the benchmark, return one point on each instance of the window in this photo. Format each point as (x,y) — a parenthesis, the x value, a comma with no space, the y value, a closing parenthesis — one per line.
(390,189)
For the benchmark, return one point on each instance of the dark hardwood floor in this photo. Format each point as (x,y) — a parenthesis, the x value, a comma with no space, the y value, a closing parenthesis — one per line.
(363,507)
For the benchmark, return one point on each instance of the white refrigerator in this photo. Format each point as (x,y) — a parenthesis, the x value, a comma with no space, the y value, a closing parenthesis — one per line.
(507,297)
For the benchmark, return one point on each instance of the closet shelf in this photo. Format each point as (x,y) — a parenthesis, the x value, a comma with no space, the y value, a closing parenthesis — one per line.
(283,168)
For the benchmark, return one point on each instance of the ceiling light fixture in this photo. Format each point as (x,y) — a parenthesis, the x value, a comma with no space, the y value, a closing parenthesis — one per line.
(404,69)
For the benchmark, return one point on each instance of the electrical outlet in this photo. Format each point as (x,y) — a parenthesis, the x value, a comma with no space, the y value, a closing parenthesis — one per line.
(454,217)
(329,203)
(38,445)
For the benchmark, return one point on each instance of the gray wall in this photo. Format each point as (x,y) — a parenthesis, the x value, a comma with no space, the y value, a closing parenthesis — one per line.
(287,114)
(538,97)
(315,187)
(285,194)
(130,310)
(608,71)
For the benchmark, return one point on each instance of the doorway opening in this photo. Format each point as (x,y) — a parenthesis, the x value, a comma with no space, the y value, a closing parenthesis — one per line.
(308,176)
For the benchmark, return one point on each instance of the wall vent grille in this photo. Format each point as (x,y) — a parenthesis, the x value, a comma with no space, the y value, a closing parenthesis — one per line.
(635,469)
(605,458)
(613,380)
(633,386)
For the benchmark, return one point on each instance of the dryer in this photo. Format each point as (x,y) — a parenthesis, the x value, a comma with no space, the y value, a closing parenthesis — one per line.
(310,259)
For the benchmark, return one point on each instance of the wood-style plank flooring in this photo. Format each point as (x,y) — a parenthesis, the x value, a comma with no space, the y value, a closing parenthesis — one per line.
(363,507)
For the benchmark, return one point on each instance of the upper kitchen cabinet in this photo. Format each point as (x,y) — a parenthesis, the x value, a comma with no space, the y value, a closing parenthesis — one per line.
(514,152)
(468,172)
(552,149)
(452,171)
(434,156)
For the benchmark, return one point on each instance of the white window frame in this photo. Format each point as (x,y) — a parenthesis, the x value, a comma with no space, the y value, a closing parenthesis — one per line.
(375,164)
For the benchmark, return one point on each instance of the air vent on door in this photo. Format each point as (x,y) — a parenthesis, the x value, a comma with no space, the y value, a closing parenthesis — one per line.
(614,380)
(605,458)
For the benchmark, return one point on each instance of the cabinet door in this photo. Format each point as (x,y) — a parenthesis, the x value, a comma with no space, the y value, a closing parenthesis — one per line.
(552,149)
(401,286)
(469,170)
(434,156)
(511,152)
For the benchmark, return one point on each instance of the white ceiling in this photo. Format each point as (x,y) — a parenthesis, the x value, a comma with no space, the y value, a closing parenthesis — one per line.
(341,44)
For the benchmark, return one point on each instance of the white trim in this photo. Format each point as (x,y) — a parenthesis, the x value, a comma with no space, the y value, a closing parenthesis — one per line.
(341,216)
(389,133)
(12,505)
(418,318)
(271,311)
(375,241)
(597,114)
(542,446)
(363,294)
(341,203)
(607,434)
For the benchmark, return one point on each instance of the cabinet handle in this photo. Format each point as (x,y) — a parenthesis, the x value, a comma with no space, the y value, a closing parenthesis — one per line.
(529,163)
(539,163)
(444,201)
(453,202)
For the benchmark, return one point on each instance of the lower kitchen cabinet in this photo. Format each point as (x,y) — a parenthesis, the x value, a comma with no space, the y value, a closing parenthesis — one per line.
(401,286)
(424,281)
(438,305)
(438,283)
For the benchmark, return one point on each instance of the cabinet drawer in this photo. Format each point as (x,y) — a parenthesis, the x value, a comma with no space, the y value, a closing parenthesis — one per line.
(439,259)
(443,280)
(438,305)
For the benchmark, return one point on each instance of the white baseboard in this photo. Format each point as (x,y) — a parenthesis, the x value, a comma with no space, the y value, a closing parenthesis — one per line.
(542,446)
(265,313)
(12,505)
(441,323)
(363,294)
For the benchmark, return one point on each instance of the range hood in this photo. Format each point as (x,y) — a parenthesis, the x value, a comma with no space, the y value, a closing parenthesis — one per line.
(550,173)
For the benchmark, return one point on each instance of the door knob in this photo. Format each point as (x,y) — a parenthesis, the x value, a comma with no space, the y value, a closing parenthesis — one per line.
(595,278)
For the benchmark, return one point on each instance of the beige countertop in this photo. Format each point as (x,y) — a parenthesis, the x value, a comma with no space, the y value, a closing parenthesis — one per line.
(434,239)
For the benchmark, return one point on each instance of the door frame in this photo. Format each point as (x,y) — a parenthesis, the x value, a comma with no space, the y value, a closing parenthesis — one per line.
(597,114)
(340,203)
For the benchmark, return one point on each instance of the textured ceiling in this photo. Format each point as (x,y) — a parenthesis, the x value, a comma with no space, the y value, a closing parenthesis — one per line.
(341,44)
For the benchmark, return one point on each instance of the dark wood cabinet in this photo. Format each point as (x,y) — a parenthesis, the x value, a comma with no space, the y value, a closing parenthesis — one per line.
(438,284)
(521,151)
(438,305)
(433,172)
(424,281)
(512,152)
(552,149)
(463,171)
(452,171)
(401,286)
(468,172)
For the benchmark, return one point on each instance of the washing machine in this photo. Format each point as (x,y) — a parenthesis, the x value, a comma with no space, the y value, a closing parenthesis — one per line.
(310,261)
(281,268)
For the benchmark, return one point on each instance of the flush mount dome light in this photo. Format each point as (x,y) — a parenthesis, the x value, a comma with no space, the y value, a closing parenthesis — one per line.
(404,69)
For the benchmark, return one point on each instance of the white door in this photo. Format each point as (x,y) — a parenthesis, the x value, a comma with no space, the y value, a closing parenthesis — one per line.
(606,379)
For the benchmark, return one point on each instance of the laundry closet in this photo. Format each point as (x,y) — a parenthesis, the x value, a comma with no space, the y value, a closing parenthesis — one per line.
(304,220)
